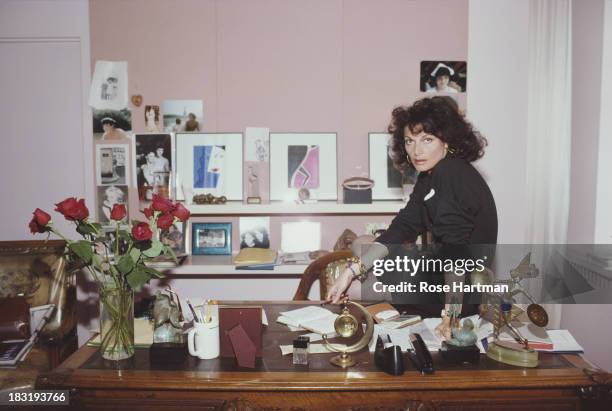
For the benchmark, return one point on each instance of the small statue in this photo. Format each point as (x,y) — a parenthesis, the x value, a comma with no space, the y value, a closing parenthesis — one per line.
(166,316)
(464,336)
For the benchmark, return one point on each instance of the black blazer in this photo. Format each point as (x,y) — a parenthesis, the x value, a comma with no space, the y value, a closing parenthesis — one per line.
(453,202)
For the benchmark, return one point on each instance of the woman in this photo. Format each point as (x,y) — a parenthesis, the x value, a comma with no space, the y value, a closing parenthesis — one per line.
(450,199)
(442,84)
(111,131)
(192,124)
(151,118)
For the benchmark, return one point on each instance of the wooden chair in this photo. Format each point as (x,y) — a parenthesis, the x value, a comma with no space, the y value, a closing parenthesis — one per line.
(316,270)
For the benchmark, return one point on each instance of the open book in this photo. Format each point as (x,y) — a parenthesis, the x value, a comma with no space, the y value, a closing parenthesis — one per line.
(312,318)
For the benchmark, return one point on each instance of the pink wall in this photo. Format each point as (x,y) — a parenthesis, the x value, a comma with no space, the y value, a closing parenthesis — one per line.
(319,65)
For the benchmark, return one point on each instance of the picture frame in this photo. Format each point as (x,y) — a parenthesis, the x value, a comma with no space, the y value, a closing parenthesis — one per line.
(209,163)
(211,238)
(300,161)
(176,237)
(112,164)
(387,179)
(154,164)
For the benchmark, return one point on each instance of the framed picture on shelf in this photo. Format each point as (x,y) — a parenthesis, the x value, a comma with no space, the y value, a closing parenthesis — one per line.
(209,163)
(303,161)
(211,238)
(112,164)
(387,179)
(175,237)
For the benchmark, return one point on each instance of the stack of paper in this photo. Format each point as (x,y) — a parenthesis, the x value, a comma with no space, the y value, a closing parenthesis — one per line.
(312,318)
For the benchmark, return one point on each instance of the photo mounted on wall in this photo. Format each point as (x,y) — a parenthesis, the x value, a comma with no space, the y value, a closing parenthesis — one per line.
(182,115)
(389,182)
(111,164)
(209,163)
(111,124)
(151,116)
(153,161)
(254,232)
(107,197)
(303,165)
(109,85)
(443,76)
(175,237)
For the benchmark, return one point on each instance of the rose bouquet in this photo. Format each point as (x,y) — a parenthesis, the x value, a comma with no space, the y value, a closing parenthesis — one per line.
(117,264)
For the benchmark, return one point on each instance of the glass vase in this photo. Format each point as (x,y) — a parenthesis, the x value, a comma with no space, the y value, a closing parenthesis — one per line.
(116,323)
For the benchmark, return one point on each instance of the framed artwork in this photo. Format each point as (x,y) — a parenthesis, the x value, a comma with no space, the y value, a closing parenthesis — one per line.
(211,238)
(112,164)
(153,165)
(254,232)
(387,179)
(175,237)
(303,161)
(209,163)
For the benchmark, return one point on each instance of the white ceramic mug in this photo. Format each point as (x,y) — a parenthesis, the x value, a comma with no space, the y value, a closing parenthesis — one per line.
(203,340)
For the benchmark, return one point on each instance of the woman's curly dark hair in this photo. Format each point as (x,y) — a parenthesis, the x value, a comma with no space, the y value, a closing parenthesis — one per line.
(438,116)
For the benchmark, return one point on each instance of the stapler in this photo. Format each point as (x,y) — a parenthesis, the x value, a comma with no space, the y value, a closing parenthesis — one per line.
(420,355)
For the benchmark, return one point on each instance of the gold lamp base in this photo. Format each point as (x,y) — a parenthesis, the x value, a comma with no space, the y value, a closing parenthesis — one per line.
(343,360)
(512,354)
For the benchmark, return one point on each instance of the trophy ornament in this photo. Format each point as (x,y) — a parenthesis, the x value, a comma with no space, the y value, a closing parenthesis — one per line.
(346,326)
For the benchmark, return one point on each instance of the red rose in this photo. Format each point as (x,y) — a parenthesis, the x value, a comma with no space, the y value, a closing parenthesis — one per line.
(164,221)
(73,209)
(142,232)
(162,204)
(119,212)
(148,212)
(181,212)
(39,221)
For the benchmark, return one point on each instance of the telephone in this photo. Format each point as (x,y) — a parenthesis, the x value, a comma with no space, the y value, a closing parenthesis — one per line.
(420,355)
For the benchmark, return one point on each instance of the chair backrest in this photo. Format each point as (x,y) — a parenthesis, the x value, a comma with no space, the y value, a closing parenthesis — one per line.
(316,270)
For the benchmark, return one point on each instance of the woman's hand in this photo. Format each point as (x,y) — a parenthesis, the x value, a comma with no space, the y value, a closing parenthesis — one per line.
(338,291)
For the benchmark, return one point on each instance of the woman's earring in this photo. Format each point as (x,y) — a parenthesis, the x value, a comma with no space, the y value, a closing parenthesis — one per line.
(450,150)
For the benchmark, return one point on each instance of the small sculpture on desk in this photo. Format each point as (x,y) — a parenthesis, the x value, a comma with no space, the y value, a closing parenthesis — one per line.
(461,347)
(167,325)
(464,336)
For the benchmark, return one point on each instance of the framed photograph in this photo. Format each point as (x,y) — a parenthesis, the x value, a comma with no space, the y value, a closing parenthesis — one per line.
(444,77)
(254,232)
(112,164)
(153,165)
(211,238)
(387,179)
(107,197)
(175,237)
(110,234)
(209,163)
(303,161)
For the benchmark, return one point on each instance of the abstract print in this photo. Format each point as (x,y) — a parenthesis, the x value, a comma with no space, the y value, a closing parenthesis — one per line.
(208,166)
(303,166)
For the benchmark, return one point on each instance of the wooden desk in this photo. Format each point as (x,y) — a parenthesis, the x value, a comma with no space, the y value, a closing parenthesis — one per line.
(558,384)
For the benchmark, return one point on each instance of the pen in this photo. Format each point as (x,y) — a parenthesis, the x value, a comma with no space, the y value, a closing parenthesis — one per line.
(193,312)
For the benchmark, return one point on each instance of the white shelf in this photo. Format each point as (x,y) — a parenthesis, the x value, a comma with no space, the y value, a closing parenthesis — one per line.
(280,208)
(222,265)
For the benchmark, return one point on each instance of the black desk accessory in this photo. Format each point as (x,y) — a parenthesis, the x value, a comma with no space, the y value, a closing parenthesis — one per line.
(460,355)
(388,356)
(420,355)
